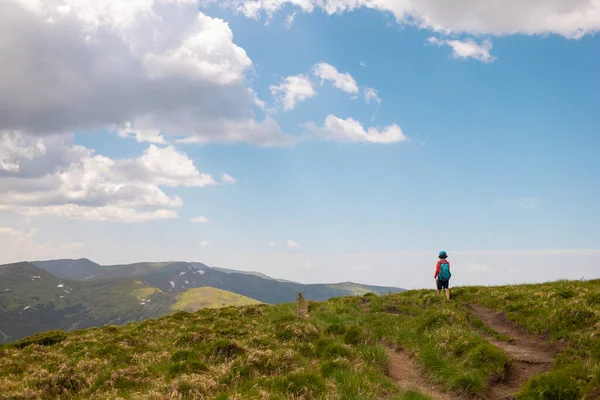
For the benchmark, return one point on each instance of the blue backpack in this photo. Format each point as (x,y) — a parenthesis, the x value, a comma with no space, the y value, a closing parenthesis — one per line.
(444,274)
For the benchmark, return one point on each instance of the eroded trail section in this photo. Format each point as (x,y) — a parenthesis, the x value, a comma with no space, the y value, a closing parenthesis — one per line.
(410,376)
(531,355)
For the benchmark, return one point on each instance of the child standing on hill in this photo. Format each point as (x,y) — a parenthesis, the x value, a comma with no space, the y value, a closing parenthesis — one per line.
(442,274)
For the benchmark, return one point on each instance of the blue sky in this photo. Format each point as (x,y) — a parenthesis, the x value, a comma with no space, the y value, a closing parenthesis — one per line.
(493,158)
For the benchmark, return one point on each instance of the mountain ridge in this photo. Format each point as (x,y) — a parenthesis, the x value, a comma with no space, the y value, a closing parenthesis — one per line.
(86,294)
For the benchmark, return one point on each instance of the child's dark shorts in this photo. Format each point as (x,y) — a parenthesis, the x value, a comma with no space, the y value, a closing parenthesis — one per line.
(442,284)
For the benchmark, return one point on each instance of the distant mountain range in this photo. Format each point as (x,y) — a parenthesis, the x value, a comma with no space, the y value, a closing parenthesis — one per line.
(75,294)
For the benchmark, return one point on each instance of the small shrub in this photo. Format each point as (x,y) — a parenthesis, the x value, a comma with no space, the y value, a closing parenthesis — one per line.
(66,381)
(487,356)
(330,349)
(374,355)
(353,336)
(181,315)
(561,384)
(226,349)
(43,339)
(253,311)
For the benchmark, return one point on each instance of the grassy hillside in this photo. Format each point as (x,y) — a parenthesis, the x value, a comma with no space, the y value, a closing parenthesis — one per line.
(208,297)
(402,346)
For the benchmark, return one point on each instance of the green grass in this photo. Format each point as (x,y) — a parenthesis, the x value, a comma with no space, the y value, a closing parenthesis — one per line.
(564,312)
(338,352)
(209,297)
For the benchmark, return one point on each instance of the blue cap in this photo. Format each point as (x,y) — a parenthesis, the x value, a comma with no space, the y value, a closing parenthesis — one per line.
(443,254)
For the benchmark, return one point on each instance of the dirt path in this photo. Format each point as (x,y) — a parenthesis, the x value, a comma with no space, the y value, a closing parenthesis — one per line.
(410,376)
(531,355)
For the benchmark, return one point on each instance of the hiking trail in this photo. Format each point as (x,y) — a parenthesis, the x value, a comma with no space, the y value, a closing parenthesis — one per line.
(408,375)
(531,356)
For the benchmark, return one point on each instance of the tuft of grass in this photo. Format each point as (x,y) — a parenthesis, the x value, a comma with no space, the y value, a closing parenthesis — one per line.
(306,384)
(226,349)
(49,338)
(560,384)
(414,395)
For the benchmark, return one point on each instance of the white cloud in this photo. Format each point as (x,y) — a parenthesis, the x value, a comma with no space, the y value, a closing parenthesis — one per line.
(363,64)
(350,130)
(371,94)
(150,135)
(265,134)
(342,81)
(272,244)
(200,220)
(226,178)
(293,90)
(291,243)
(13,148)
(526,203)
(71,181)
(195,56)
(150,68)
(204,243)
(569,18)
(467,49)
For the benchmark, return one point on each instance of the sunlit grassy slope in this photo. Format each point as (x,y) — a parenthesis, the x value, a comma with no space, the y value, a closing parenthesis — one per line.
(208,297)
(337,352)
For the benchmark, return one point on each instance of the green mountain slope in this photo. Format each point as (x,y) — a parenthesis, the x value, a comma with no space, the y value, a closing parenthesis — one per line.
(176,277)
(208,297)
(32,300)
(357,347)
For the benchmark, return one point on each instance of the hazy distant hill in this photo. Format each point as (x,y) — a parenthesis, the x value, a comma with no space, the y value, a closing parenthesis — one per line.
(33,300)
(176,277)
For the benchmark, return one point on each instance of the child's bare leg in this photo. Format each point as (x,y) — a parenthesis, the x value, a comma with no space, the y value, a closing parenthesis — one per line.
(448,294)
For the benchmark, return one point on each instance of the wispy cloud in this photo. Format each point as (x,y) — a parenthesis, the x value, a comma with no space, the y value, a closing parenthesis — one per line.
(289,20)
(467,48)
(371,94)
(204,243)
(200,220)
(291,243)
(226,178)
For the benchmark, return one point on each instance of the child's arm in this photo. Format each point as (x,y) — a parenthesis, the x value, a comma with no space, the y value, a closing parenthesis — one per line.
(437,270)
